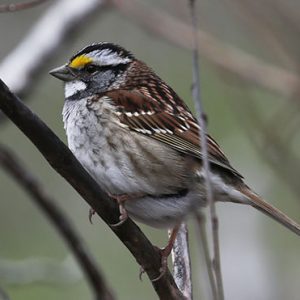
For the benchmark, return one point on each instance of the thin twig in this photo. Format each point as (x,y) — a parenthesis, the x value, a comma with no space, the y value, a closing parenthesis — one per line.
(203,144)
(182,263)
(202,237)
(227,58)
(64,162)
(13,7)
(21,174)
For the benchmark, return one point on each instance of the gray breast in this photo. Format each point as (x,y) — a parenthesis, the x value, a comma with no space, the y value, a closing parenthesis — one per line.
(126,162)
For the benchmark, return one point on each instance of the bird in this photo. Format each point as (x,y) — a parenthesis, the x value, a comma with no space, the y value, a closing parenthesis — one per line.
(141,143)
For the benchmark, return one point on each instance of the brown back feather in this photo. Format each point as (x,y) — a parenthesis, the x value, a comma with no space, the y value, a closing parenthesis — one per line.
(174,126)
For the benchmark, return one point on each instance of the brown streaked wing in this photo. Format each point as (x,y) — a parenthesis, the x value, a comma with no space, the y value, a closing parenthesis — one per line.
(150,117)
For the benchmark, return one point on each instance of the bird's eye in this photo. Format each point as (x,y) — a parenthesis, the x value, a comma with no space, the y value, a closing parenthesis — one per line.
(91,69)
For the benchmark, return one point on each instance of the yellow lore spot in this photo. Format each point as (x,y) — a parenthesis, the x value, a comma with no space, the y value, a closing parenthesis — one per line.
(80,61)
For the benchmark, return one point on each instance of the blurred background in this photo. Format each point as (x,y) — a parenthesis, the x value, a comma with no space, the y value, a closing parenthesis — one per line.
(250,86)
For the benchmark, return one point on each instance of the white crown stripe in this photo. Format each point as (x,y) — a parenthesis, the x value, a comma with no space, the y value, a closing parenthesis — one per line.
(107,57)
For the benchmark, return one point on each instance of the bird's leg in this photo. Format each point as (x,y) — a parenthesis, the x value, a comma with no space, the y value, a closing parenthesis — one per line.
(165,252)
(121,199)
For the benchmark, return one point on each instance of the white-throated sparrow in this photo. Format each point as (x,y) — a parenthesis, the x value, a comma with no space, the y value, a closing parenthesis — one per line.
(140,142)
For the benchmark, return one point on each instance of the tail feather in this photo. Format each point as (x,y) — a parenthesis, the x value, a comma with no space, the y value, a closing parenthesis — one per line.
(270,210)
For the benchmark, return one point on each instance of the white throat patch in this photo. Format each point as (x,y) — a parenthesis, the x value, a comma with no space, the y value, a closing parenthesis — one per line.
(72,87)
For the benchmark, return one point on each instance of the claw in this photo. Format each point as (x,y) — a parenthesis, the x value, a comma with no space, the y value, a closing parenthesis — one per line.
(123,214)
(91,213)
(123,217)
(163,268)
(121,199)
(164,263)
(142,271)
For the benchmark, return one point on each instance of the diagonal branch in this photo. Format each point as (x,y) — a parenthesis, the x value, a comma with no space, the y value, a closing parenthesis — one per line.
(13,166)
(63,161)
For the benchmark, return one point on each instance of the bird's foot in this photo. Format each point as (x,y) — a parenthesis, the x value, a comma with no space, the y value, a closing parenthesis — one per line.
(121,199)
(165,252)
(91,213)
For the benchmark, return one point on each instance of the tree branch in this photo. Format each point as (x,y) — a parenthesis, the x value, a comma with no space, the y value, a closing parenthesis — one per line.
(64,162)
(13,7)
(203,144)
(203,243)
(30,184)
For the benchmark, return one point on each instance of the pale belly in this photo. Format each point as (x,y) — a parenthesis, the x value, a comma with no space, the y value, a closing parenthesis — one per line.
(121,165)
(117,176)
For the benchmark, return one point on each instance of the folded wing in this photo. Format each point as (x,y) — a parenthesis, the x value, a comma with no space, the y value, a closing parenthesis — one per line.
(175,127)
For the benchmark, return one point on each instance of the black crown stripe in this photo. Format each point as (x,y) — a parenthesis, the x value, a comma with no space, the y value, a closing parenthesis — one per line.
(123,53)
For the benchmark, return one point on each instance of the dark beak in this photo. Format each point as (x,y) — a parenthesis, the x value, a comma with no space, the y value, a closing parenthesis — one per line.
(63,73)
